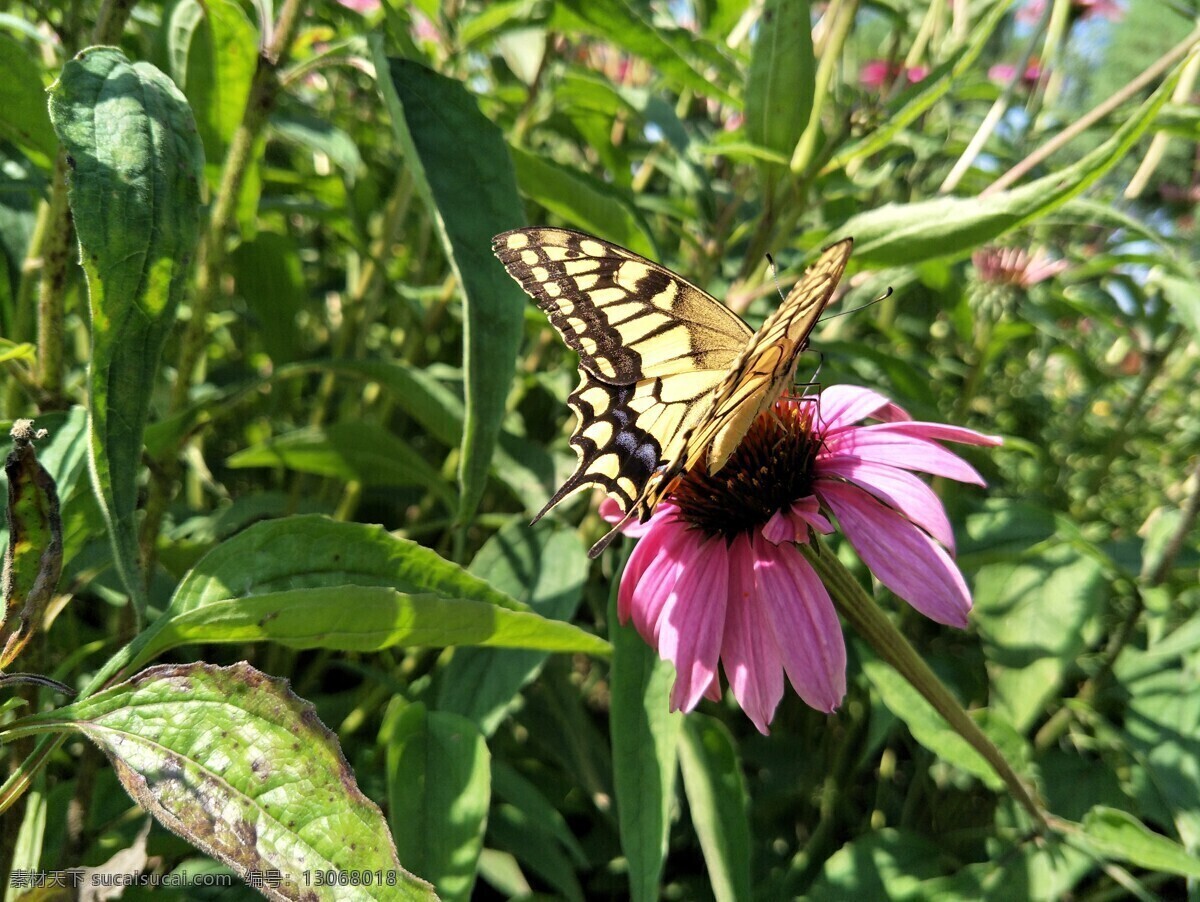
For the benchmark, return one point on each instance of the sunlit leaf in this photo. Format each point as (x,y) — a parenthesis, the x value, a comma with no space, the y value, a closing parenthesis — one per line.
(135,193)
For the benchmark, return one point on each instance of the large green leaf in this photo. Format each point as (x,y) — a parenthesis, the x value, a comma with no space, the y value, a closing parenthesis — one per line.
(311,582)
(439,790)
(461,166)
(24,122)
(1120,836)
(717,799)
(645,745)
(235,763)
(543,566)
(1035,616)
(135,193)
(779,86)
(905,234)
(582,201)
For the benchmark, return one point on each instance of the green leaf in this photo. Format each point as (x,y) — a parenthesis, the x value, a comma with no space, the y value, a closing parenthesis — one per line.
(1162,730)
(461,167)
(322,137)
(779,85)
(235,763)
(361,451)
(538,811)
(310,582)
(525,468)
(25,121)
(439,790)
(645,742)
(927,726)
(581,201)
(269,277)
(1036,615)
(905,234)
(214,47)
(135,195)
(685,59)
(885,864)
(1184,297)
(717,799)
(544,566)
(1119,836)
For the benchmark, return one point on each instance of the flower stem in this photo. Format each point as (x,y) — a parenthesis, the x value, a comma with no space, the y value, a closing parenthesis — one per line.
(891,646)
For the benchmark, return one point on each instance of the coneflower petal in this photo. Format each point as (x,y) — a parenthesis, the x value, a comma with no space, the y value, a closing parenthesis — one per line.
(801,615)
(901,555)
(749,653)
(692,622)
(898,488)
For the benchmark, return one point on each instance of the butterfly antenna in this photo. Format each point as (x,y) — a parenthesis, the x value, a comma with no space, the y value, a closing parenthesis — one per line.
(775,274)
(883,297)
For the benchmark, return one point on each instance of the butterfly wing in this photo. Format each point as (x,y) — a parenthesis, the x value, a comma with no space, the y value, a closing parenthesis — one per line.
(652,347)
(755,379)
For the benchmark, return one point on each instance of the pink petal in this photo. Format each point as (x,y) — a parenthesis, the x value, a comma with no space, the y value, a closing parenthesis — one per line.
(668,549)
(749,652)
(779,529)
(901,490)
(713,692)
(844,405)
(693,620)
(801,617)
(896,450)
(611,511)
(901,555)
(808,512)
(938,432)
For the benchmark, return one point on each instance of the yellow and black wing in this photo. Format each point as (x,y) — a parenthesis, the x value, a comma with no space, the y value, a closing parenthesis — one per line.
(755,380)
(652,348)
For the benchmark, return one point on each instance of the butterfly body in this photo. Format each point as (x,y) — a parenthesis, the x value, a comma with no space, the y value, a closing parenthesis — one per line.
(669,376)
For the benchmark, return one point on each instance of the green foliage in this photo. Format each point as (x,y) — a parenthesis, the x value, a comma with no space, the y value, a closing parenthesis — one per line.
(299,414)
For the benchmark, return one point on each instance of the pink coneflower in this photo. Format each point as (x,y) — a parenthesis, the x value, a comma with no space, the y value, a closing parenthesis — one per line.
(716,574)
(1015,266)
(365,7)
(1003,73)
(875,74)
(1031,13)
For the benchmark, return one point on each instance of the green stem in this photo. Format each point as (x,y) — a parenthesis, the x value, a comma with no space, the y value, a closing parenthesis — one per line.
(889,643)
(55,247)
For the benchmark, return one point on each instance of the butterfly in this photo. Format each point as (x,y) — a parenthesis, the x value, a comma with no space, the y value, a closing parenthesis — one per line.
(668,375)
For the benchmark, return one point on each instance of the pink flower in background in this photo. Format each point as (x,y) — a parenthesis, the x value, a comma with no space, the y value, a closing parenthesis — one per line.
(878,73)
(361,6)
(1031,13)
(1003,73)
(716,574)
(1015,266)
